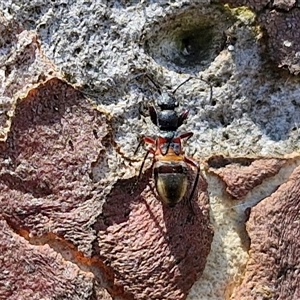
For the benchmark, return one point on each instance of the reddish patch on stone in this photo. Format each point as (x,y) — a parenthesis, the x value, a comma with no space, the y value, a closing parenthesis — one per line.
(38,272)
(157,252)
(272,271)
(241,175)
(138,249)
(44,181)
(45,184)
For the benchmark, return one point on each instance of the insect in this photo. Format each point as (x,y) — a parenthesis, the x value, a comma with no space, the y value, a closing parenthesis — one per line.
(170,165)
(170,168)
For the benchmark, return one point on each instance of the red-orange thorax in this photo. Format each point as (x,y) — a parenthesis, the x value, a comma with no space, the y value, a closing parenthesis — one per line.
(167,150)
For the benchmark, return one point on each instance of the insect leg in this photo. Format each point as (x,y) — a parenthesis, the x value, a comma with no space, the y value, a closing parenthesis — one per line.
(139,145)
(196,165)
(152,151)
(210,88)
(186,135)
(153,114)
(144,140)
(183,116)
(142,166)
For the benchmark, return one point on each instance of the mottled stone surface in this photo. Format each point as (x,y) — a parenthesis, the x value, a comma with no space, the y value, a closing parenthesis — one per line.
(264,5)
(47,187)
(21,65)
(67,164)
(37,271)
(272,271)
(156,252)
(279,21)
(257,5)
(242,175)
(170,42)
(283,33)
(47,195)
(285,4)
(46,163)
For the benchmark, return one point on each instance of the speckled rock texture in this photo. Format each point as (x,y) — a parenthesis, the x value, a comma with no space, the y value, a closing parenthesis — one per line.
(77,78)
(156,252)
(242,175)
(280,19)
(38,272)
(272,271)
(47,188)
(284,38)
(22,65)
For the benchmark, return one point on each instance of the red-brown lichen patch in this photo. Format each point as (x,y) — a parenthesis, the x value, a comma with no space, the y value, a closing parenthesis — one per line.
(38,272)
(46,163)
(241,175)
(273,269)
(156,252)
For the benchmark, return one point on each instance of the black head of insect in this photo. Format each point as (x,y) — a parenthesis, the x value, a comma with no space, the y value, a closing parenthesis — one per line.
(164,116)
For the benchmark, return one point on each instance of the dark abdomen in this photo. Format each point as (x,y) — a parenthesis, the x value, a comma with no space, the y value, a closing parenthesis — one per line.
(170,181)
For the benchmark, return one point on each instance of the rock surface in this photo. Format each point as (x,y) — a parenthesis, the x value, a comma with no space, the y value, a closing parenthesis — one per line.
(38,272)
(272,271)
(48,196)
(74,223)
(280,21)
(242,175)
